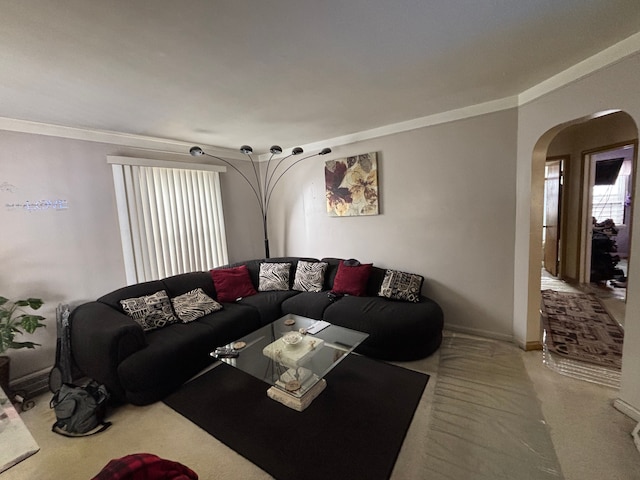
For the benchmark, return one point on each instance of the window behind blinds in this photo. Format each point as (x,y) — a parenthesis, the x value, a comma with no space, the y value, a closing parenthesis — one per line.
(171,219)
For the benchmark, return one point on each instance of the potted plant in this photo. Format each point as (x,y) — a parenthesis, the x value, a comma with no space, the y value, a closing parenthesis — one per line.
(13,321)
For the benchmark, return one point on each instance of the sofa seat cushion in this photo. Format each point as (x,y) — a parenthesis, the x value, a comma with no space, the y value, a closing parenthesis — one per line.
(268,304)
(176,353)
(232,322)
(397,330)
(171,354)
(307,304)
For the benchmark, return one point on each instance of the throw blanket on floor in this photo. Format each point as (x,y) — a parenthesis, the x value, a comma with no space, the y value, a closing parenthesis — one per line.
(145,466)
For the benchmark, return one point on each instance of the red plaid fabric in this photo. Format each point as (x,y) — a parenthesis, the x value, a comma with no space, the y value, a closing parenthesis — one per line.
(145,466)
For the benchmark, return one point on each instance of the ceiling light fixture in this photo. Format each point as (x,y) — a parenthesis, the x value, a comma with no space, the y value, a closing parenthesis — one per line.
(263,187)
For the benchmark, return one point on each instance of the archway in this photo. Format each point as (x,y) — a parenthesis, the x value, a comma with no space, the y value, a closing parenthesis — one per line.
(603,128)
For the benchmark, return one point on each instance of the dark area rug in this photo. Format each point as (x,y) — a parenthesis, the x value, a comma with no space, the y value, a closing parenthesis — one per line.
(579,327)
(353,430)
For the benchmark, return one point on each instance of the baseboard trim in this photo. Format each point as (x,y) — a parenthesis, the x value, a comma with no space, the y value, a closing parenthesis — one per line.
(479,333)
(530,346)
(629,410)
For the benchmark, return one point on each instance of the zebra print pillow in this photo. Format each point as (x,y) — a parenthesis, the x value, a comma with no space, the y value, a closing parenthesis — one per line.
(193,305)
(274,276)
(309,276)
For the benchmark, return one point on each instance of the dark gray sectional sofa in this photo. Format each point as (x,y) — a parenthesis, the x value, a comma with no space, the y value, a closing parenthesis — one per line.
(142,367)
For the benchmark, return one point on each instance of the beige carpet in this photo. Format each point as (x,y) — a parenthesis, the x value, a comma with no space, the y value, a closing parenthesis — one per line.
(592,440)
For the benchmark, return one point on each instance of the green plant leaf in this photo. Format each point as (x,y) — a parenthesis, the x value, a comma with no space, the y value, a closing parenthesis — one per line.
(17,345)
(6,338)
(31,322)
(34,303)
(14,321)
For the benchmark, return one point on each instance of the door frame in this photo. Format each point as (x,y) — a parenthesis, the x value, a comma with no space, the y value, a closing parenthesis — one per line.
(586,195)
(565,161)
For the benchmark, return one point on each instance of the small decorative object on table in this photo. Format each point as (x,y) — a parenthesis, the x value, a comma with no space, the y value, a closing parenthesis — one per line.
(291,339)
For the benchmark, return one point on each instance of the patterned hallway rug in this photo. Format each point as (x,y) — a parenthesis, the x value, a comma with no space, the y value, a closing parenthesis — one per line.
(578,327)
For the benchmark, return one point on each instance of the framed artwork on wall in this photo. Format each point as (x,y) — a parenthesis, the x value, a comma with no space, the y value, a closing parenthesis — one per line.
(352,185)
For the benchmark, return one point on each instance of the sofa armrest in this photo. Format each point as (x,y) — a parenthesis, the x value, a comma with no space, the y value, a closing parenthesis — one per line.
(101,338)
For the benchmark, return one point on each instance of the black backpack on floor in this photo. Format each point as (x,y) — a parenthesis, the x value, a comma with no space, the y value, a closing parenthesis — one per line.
(80,411)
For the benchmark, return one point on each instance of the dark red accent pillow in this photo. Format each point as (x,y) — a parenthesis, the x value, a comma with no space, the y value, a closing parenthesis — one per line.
(232,283)
(352,280)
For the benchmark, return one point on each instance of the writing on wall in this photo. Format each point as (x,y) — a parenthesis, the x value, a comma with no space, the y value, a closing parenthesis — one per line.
(38,205)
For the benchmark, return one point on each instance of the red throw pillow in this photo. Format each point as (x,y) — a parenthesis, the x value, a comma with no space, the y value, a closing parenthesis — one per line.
(352,280)
(232,283)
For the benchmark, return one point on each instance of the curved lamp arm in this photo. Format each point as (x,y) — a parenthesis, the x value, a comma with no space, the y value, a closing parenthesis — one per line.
(324,151)
(262,191)
(197,152)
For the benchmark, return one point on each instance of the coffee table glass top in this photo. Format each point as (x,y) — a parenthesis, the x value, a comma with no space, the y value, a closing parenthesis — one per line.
(279,355)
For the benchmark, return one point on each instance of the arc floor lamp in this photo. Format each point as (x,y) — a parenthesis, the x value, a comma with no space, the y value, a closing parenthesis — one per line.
(263,187)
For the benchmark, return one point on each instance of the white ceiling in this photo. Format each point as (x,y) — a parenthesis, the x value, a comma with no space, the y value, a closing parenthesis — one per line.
(284,71)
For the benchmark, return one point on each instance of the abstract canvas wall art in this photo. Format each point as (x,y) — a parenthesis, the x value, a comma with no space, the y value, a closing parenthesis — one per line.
(352,185)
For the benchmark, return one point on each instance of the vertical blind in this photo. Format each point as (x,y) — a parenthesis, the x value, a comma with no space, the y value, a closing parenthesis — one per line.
(171,220)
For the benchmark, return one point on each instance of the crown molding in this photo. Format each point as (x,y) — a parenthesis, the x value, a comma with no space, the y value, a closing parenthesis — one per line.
(609,56)
(428,121)
(627,47)
(161,145)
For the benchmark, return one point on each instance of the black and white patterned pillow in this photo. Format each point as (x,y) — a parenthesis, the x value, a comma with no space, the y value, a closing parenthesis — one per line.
(309,276)
(194,304)
(273,276)
(151,311)
(401,286)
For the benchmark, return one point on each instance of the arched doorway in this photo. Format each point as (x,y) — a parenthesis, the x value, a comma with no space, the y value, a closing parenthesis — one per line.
(573,140)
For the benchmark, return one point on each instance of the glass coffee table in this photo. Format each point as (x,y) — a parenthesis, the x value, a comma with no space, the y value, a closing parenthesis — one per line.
(293,355)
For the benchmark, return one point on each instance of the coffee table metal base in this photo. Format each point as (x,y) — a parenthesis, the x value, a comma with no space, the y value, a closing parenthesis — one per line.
(297,403)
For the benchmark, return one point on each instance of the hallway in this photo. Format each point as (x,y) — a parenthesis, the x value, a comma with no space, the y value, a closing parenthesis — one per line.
(613,300)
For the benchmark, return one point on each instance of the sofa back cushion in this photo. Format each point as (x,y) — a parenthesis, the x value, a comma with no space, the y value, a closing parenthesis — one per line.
(138,290)
(254,267)
(330,273)
(375,281)
(186,282)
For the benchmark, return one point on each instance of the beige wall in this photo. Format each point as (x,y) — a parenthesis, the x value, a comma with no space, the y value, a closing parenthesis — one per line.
(614,87)
(73,255)
(447,196)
